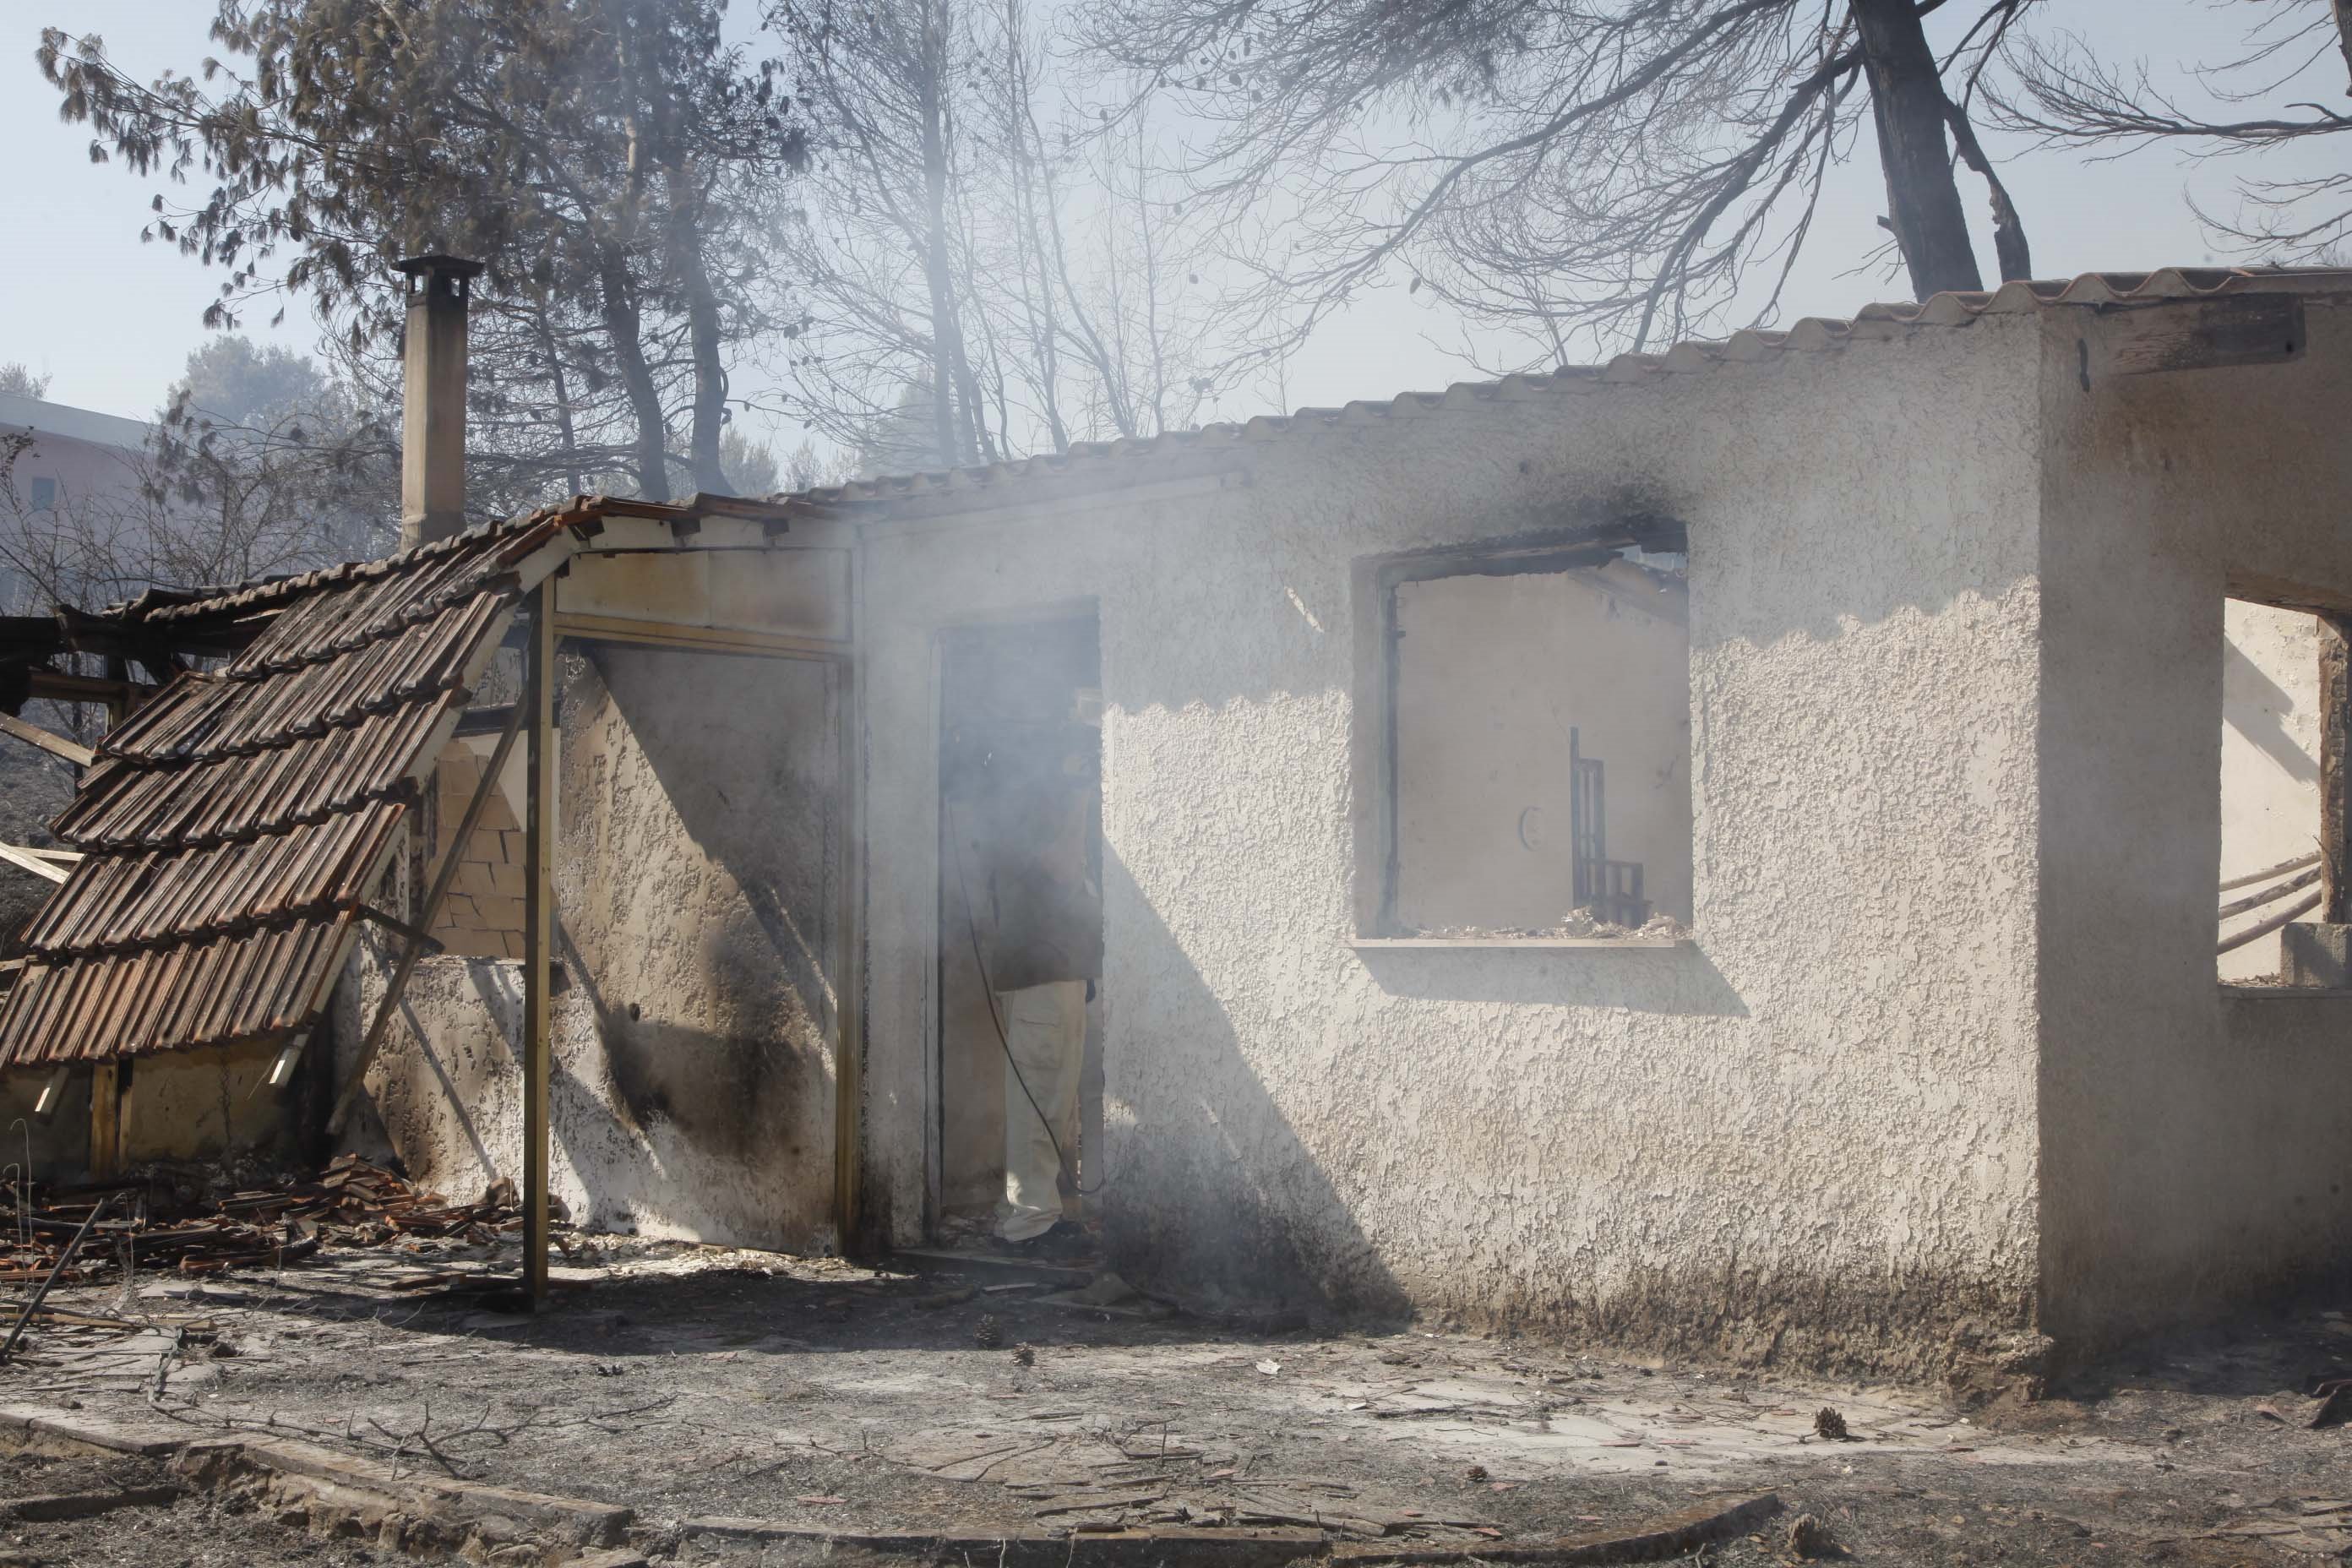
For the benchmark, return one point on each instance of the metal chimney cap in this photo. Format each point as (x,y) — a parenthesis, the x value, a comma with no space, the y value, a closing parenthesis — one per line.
(438,264)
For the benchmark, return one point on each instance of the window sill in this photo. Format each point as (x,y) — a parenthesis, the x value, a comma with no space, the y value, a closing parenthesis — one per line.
(1393,943)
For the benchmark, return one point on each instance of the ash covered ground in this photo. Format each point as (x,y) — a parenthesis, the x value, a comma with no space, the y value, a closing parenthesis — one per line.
(694,1385)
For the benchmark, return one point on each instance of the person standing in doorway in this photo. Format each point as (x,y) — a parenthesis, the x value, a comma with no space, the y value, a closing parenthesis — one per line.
(1041,912)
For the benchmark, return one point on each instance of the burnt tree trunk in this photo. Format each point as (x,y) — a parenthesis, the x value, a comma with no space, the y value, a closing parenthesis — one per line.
(947,333)
(648,451)
(703,340)
(1907,103)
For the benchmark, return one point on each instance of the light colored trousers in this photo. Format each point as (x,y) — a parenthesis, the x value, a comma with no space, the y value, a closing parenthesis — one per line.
(1045,1025)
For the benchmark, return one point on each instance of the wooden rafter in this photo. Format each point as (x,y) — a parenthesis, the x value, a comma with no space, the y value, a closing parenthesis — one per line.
(32,734)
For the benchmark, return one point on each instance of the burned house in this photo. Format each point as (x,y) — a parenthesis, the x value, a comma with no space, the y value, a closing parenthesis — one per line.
(1724,849)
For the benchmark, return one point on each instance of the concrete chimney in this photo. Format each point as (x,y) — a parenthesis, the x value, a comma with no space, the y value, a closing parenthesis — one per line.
(433,399)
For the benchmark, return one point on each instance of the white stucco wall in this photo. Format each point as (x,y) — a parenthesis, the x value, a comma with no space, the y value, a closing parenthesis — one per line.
(1812,1134)
(2270,763)
(2194,1148)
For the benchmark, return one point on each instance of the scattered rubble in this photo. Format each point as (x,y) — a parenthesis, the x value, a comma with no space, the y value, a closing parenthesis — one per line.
(194,1222)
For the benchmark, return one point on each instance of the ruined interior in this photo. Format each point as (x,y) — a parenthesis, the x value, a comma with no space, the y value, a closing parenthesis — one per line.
(1020,756)
(2271,724)
(1541,744)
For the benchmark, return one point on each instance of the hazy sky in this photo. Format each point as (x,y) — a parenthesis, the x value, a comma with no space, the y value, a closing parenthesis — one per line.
(112,320)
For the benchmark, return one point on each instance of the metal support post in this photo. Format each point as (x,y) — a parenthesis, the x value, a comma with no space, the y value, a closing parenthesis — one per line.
(2336,766)
(539,946)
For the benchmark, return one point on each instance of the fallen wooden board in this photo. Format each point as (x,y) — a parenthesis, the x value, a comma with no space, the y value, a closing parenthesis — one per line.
(1668,1537)
(26,860)
(74,751)
(1137,1309)
(1001,1262)
(1180,1547)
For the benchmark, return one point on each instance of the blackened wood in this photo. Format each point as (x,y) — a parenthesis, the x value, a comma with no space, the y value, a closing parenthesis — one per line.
(64,1259)
(1907,103)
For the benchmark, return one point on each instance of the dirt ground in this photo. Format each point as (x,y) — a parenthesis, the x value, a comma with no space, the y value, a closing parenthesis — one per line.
(693,1385)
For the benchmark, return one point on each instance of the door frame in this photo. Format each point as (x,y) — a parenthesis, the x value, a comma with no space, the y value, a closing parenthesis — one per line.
(1084,607)
(849,984)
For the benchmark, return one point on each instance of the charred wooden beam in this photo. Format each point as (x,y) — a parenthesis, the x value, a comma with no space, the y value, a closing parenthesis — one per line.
(156,646)
(55,686)
(490,719)
(415,936)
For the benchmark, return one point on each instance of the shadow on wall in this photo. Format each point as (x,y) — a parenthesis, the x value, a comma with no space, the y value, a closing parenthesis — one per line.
(497,986)
(445,1096)
(1215,1197)
(2255,706)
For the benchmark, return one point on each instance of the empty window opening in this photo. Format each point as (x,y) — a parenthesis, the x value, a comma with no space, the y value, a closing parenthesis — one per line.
(1020,1025)
(2274,732)
(1539,747)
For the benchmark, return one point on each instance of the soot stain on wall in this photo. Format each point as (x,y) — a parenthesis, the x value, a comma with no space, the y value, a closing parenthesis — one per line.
(707,931)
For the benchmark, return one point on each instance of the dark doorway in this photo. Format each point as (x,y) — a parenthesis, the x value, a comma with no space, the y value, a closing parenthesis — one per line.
(1020,786)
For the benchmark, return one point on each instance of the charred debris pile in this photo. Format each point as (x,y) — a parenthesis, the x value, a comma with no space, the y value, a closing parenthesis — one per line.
(202,1220)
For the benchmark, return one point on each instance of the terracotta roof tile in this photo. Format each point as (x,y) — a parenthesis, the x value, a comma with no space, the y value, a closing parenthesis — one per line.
(231,827)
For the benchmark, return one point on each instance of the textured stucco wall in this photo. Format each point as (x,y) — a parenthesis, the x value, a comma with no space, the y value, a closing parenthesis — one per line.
(2193,1149)
(1812,1133)
(698,890)
(2270,761)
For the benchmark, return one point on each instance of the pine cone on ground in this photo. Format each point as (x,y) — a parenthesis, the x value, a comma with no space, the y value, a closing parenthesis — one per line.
(1809,1537)
(1024,1356)
(990,1334)
(1830,1423)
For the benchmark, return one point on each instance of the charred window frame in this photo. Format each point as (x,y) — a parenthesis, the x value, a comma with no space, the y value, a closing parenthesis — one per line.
(1378,665)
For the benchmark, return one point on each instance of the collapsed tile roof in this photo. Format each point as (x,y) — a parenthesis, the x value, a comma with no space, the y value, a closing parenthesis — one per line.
(231,827)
